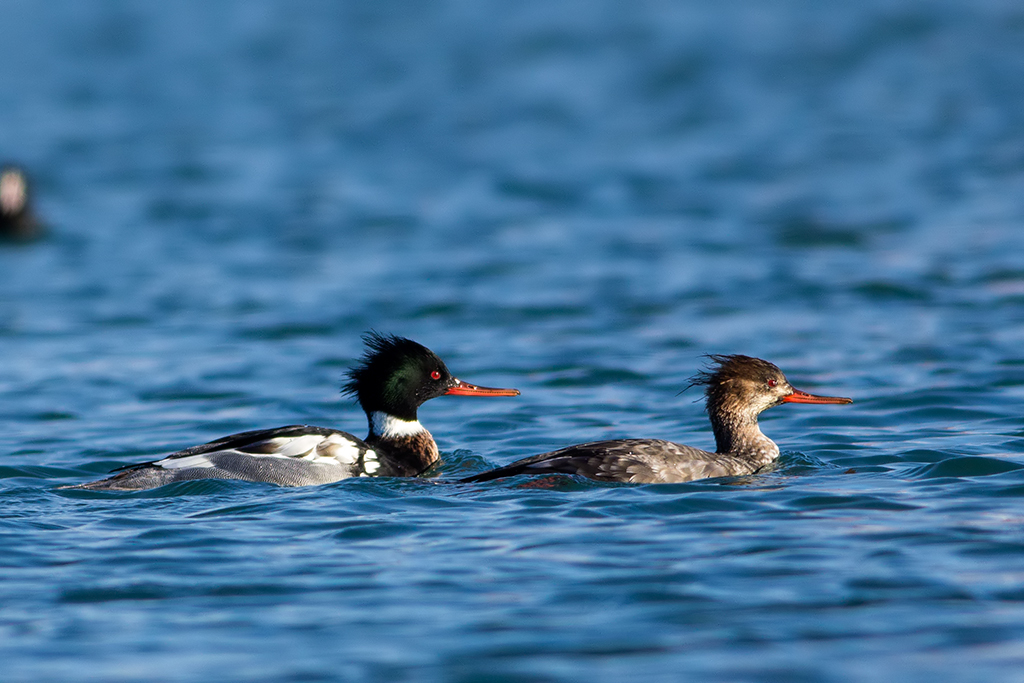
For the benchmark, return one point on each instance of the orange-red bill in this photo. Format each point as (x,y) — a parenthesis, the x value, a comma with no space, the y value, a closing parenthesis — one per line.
(466,389)
(803,397)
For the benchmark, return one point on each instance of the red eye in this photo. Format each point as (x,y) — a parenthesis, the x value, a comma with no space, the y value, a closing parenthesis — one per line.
(436,374)
(773,382)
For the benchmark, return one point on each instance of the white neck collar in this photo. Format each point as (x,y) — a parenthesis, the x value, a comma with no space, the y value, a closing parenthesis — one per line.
(390,427)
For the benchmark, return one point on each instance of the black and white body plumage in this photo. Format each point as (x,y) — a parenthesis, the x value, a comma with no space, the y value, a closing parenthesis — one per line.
(17,222)
(394,378)
(737,389)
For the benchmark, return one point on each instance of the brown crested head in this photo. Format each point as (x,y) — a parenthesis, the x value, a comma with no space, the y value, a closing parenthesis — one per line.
(743,384)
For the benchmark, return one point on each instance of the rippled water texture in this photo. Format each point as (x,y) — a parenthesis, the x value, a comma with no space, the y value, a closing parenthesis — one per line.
(574,198)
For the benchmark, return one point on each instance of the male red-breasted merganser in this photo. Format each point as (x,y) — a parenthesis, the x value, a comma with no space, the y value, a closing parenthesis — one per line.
(17,221)
(394,378)
(737,389)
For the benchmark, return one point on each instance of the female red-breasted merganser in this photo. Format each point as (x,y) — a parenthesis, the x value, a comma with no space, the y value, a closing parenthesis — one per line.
(17,222)
(394,378)
(737,389)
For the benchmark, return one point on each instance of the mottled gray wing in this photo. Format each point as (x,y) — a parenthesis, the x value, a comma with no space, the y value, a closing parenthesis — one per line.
(624,460)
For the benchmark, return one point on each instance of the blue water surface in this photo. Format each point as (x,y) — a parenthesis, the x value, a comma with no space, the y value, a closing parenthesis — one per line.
(577,198)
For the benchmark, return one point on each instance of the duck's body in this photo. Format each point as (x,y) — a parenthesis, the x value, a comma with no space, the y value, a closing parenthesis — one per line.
(396,376)
(737,388)
(634,461)
(17,222)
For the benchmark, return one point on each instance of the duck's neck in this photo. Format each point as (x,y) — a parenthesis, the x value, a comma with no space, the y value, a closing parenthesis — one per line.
(738,434)
(405,446)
